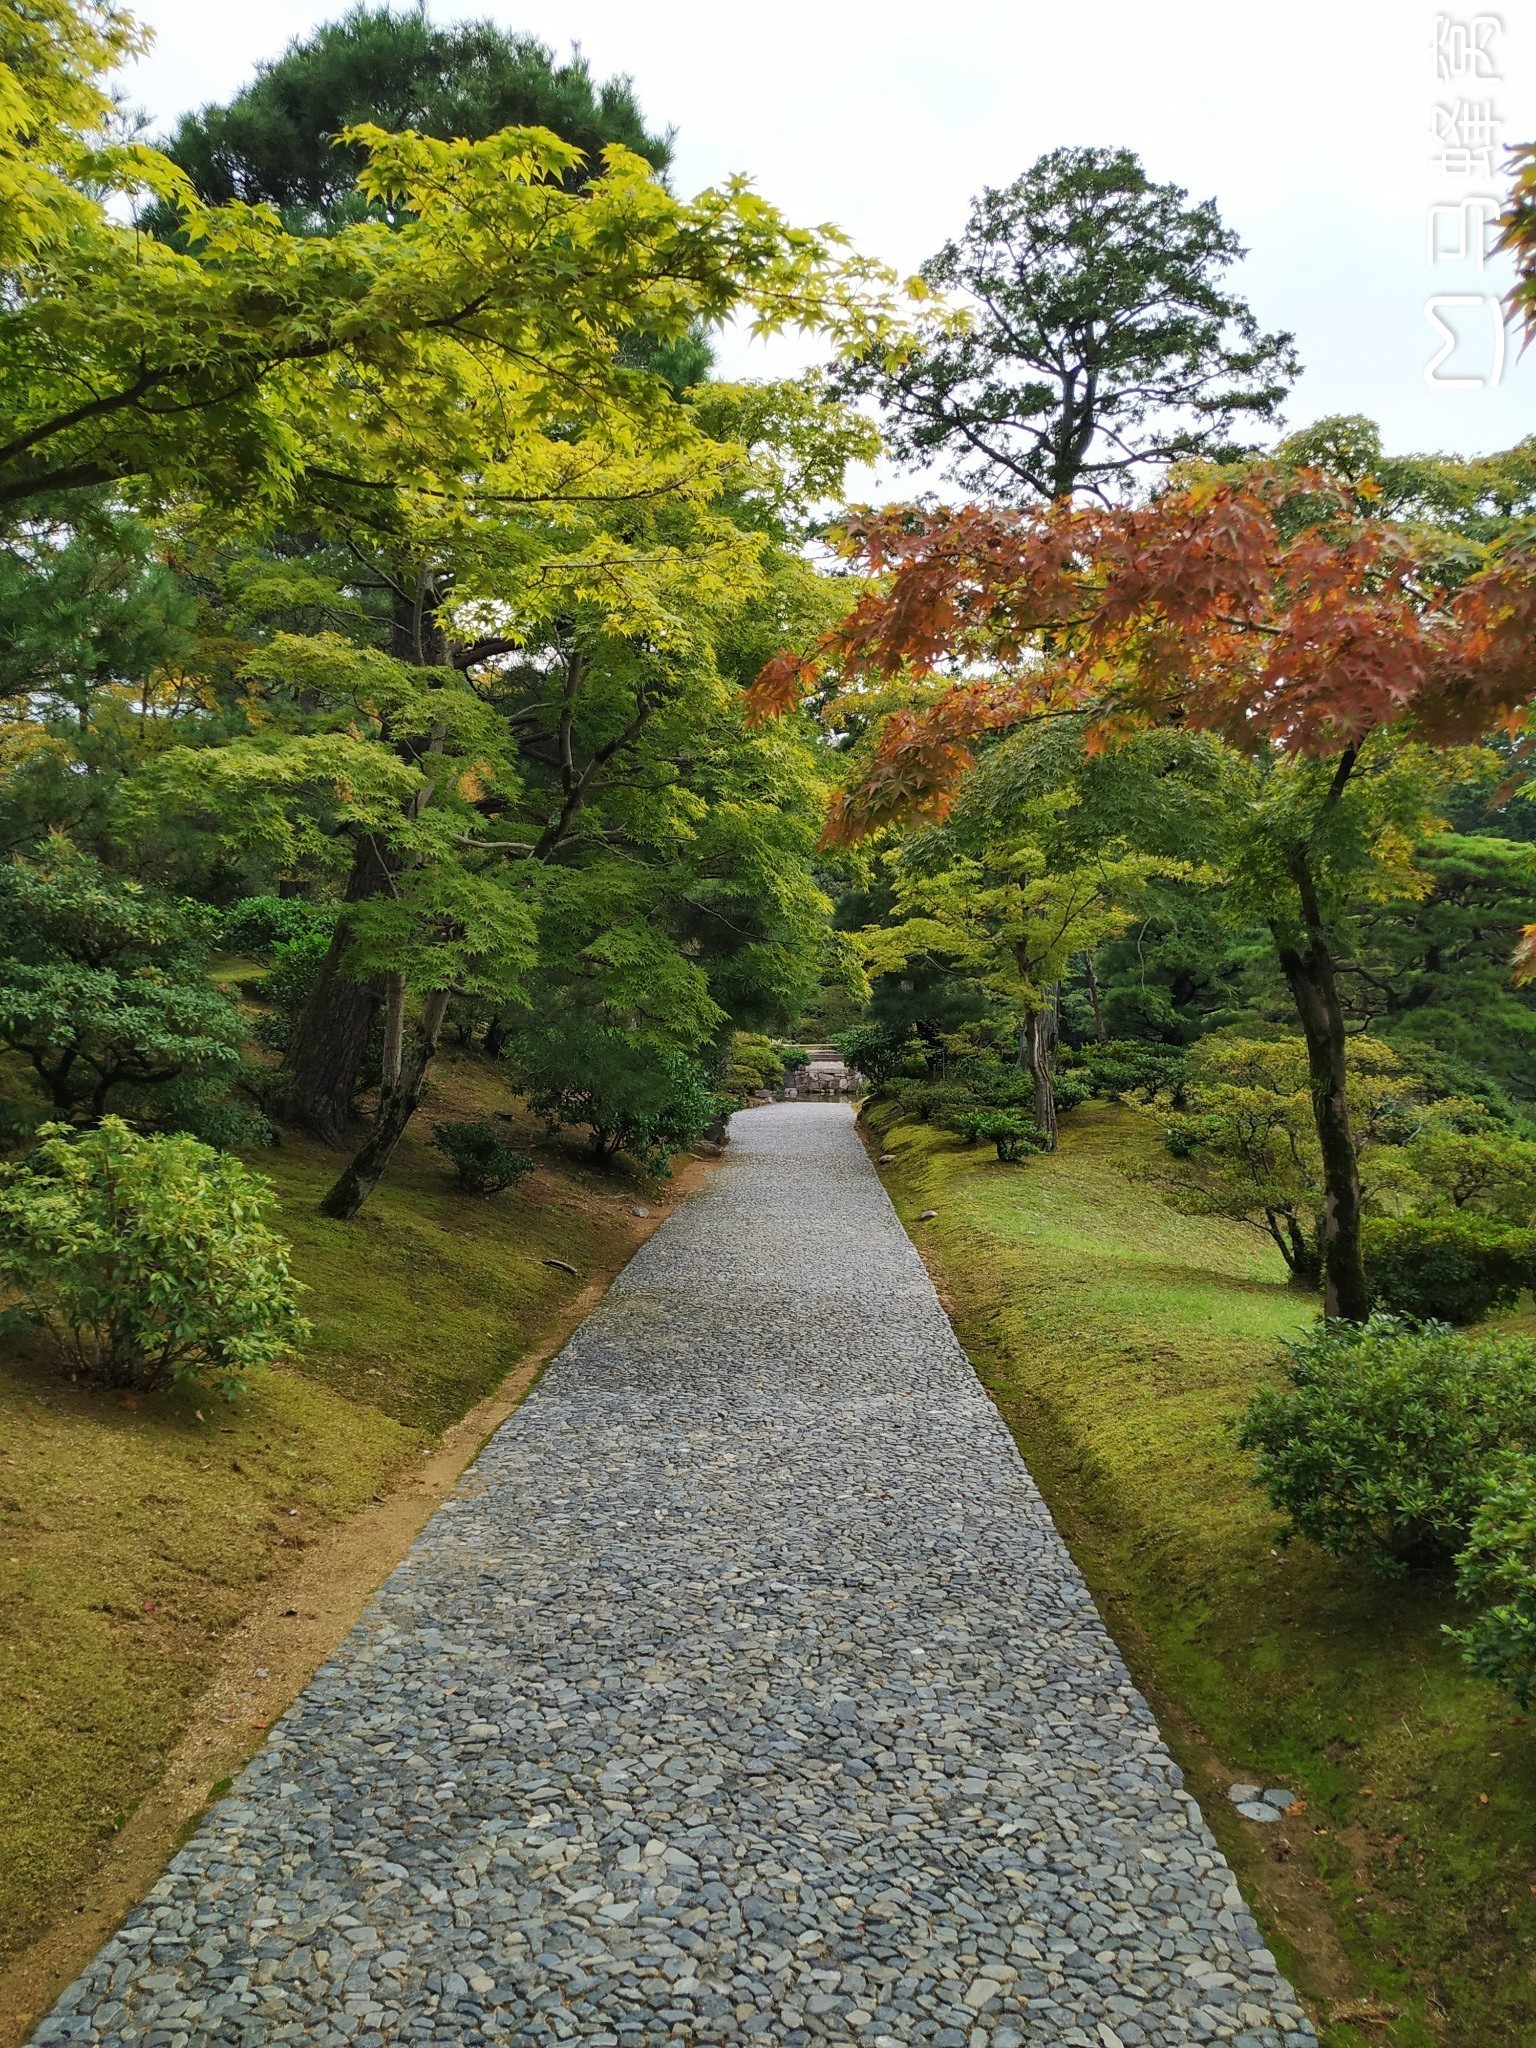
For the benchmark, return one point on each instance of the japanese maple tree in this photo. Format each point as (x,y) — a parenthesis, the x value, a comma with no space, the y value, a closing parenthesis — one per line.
(1268,607)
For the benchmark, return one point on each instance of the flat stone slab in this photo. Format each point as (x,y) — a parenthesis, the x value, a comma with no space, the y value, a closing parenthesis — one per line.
(744,1691)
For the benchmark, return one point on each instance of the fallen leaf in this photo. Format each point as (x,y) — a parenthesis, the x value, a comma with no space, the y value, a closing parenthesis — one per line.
(149,1606)
(130,1400)
(261,1724)
(1366,1792)
(1482,1798)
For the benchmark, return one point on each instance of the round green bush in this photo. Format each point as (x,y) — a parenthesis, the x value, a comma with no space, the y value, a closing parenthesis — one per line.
(1009,1132)
(148,1259)
(1380,1445)
(1451,1269)
(1499,1565)
(484,1161)
(257,923)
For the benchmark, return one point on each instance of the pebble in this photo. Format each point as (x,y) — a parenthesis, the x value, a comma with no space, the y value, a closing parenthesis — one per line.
(743,1692)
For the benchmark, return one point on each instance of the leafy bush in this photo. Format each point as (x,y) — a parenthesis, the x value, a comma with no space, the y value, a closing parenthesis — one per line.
(147,1259)
(1499,1563)
(754,1062)
(931,1102)
(632,1097)
(1451,1268)
(286,987)
(104,991)
(483,1160)
(1013,1137)
(1131,1066)
(258,923)
(1071,1090)
(877,1053)
(1381,1444)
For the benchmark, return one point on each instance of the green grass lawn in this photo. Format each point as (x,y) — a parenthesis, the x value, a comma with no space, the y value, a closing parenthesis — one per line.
(1119,1339)
(134,1533)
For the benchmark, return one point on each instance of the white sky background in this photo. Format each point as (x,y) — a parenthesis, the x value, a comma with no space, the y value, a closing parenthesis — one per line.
(1313,125)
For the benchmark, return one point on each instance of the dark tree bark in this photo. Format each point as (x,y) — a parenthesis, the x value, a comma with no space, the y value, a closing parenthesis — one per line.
(1042,1035)
(1307,962)
(397,1105)
(322,1068)
(1302,1258)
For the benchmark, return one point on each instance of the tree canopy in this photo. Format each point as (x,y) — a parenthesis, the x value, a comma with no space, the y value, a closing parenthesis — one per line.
(280,141)
(1098,339)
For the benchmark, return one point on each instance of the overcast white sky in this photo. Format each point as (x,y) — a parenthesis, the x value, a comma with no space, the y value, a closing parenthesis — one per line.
(1312,122)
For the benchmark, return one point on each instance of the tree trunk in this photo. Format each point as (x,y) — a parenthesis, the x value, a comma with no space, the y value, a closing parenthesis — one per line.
(1300,1254)
(1042,1034)
(394,1030)
(1094,1004)
(1308,967)
(397,1105)
(324,1061)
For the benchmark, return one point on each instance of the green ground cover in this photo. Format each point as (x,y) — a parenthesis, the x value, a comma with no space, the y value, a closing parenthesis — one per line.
(1119,1338)
(136,1531)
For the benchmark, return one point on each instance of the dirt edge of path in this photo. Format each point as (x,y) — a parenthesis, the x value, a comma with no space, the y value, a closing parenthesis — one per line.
(299,1620)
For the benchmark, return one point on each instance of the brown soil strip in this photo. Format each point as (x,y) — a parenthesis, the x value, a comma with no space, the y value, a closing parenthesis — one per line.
(294,1627)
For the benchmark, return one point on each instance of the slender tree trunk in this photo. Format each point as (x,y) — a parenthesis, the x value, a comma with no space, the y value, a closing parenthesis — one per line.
(1307,964)
(324,1062)
(394,1030)
(497,1032)
(397,1105)
(1042,1033)
(1094,1004)
(1305,1264)
(323,1066)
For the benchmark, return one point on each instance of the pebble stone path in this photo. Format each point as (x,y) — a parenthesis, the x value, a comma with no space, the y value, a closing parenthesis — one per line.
(743,1692)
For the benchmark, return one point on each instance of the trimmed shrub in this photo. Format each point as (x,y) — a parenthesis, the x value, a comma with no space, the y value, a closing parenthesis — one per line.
(632,1096)
(1499,1563)
(1449,1269)
(1132,1066)
(1070,1088)
(258,923)
(148,1260)
(482,1159)
(1380,1446)
(932,1102)
(753,1062)
(1012,1136)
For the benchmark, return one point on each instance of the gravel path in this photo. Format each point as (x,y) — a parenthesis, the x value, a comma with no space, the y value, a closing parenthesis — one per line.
(744,1691)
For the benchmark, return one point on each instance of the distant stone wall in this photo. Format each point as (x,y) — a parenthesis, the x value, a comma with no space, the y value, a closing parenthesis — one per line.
(827,1077)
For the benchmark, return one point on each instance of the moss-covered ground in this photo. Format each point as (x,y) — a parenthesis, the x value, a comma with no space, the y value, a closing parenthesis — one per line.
(1119,1339)
(135,1532)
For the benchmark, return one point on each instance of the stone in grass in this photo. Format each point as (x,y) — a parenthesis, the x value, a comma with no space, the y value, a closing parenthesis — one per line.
(1244,1795)
(1256,1809)
(1279,1799)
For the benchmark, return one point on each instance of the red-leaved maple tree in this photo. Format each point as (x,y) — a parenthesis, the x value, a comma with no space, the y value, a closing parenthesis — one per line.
(1271,609)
